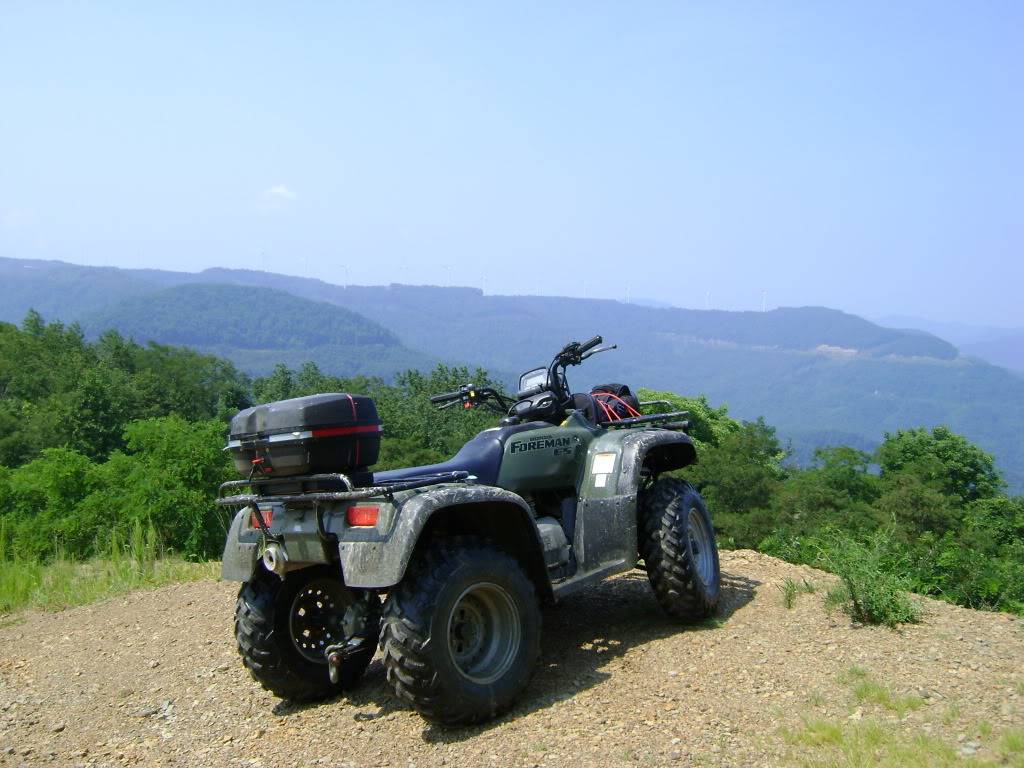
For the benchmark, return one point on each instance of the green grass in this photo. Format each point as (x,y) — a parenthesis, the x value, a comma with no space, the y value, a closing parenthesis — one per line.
(870,691)
(124,566)
(791,589)
(952,713)
(1011,745)
(817,699)
(827,744)
(831,745)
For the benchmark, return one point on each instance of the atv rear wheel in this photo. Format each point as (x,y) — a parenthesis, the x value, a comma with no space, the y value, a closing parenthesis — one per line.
(283,627)
(461,632)
(678,547)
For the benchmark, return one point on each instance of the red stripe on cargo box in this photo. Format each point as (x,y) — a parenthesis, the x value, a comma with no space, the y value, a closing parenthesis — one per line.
(336,431)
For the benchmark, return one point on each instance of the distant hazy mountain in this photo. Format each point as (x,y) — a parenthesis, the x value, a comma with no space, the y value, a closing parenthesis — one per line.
(1006,350)
(821,376)
(656,303)
(994,344)
(67,291)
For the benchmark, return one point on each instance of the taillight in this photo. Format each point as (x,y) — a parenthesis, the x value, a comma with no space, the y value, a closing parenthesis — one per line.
(268,518)
(362,516)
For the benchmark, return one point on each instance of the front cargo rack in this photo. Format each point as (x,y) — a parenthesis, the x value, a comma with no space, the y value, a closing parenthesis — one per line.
(351,492)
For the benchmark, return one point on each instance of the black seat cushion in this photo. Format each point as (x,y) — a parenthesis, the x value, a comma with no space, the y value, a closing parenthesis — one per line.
(481,457)
(587,405)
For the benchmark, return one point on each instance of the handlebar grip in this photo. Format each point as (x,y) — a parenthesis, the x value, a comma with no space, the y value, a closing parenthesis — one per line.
(445,397)
(586,346)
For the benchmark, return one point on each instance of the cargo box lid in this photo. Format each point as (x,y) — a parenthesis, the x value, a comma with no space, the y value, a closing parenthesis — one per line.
(333,409)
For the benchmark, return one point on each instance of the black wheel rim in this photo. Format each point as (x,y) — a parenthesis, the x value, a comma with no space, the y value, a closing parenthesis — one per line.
(316,618)
(484,633)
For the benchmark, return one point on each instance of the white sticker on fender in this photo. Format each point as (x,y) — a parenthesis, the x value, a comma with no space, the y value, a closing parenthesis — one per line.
(603,464)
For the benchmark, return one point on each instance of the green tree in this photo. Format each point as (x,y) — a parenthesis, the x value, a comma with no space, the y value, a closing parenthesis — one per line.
(708,425)
(57,389)
(981,564)
(739,477)
(837,491)
(280,385)
(960,467)
(97,410)
(917,501)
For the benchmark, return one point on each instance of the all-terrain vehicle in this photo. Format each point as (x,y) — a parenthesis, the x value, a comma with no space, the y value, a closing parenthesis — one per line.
(444,566)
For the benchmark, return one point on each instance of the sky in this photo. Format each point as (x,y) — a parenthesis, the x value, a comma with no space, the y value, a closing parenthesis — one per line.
(864,156)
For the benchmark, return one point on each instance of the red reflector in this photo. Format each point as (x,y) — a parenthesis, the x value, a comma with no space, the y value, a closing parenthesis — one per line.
(268,518)
(338,431)
(364,516)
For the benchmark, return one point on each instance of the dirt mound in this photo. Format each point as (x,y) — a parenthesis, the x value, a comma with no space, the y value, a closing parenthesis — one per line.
(153,679)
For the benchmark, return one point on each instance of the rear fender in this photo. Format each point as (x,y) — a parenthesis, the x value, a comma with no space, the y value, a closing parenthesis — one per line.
(239,559)
(487,511)
(295,528)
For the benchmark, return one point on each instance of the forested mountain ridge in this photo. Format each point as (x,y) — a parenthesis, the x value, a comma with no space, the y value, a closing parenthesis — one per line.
(823,377)
(204,315)
(69,292)
(258,329)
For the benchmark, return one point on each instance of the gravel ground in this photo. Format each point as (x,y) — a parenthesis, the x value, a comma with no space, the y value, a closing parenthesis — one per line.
(153,679)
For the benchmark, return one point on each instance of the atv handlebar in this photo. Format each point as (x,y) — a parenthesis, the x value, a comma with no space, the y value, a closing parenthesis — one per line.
(573,353)
(472,396)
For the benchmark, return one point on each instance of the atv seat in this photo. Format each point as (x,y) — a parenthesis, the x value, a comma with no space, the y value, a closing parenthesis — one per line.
(481,457)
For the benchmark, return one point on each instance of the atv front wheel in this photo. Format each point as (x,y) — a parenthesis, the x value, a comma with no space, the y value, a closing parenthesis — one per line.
(461,632)
(283,627)
(678,547)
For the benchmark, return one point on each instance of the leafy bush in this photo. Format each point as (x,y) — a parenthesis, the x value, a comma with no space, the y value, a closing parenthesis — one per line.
(64,504)
(873,589)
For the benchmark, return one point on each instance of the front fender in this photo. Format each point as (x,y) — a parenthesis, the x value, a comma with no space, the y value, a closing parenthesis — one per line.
(663,449)
(381,564)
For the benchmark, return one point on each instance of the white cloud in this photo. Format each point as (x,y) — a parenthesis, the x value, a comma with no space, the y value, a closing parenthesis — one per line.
(278,193)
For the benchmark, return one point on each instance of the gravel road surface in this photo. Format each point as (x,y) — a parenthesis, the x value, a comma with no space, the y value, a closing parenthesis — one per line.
(153,678)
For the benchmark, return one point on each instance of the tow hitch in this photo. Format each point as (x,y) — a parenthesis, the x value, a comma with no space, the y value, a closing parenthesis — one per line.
(354,627)
(336,655)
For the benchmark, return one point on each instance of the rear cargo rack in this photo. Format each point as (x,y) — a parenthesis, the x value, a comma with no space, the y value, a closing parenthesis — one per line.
(665,420)
(352,492)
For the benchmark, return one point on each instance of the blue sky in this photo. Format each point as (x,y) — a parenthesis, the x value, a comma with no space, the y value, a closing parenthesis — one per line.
(861,156)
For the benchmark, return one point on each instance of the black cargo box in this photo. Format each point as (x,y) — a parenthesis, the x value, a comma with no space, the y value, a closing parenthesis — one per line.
(305,435)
